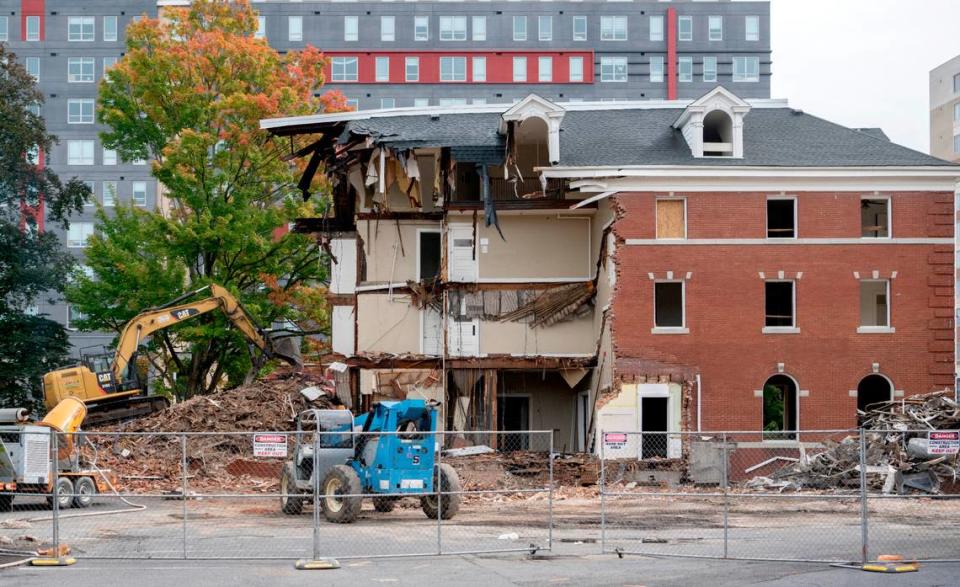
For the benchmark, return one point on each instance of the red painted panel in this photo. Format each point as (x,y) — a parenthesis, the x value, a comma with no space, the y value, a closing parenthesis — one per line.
(499,65)
(32,8)
(671,53)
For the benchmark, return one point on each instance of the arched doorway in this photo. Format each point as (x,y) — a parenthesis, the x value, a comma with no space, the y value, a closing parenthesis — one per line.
(780,408)
(873,389)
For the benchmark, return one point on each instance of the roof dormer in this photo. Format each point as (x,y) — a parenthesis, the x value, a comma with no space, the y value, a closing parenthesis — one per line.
(713,124)
(533,106)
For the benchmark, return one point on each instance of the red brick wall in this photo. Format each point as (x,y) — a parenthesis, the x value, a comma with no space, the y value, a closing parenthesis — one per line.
(725,302)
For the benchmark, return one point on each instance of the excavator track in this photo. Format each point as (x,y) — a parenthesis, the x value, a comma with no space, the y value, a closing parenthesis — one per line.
(124,409)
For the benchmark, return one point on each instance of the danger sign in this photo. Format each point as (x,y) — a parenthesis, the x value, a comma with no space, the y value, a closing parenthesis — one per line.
(943,442)
(614,439)
(270,445)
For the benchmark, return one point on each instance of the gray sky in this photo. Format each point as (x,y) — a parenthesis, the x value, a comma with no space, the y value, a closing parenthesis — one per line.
(864,62)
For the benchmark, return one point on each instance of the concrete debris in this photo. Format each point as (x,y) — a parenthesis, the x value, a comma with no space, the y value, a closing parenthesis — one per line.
(509,536)
(15,524)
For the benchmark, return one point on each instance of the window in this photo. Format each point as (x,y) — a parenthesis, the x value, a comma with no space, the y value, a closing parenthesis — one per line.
(80,111)
(781,218)
(421,102)
(108,62)
(656,28)
(545,28)
(613,69)
(656,68)
(956,143)
(576,69)
(4,29)
(33,28)
(452,102)
(386,103)
(685,28)
(715,28)
(80,28)
(421,28)
(453,69)
(344,69)
(139,193)
(294,28)
(412,69)
(519,69)
(780,304)
(479,69)
(519,28)
(109,28)
(73,316)
(383,69)
(92,186)
(874,305)
(109,194)
(709,69)
(80,152)
(351,28)
(668,304)
(261,32)
(685,71)
(956,84)
(32,65)
(579,28)
(746,69)
(78,234)
(671,219)
(453,28)
(613,28)
(956,112)
(752,28)
(779,408)
(545,69)
(479,28)
(388,28)
(875,217)
(80,69)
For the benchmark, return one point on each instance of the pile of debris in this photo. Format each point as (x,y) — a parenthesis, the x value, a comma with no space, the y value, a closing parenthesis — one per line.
(150,460)
(904,452)
(482,469)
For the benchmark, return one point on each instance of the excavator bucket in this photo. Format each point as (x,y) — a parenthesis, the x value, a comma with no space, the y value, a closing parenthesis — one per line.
(287,349)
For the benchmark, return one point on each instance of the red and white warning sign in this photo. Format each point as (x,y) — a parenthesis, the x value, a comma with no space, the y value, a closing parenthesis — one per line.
(943,442)
(270,445)
(614,440)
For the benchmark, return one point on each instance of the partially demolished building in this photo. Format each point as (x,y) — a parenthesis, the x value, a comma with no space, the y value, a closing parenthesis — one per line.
(649,266)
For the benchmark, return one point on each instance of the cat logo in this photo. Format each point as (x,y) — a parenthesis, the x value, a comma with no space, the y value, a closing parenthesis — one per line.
(185,313)
(103,377)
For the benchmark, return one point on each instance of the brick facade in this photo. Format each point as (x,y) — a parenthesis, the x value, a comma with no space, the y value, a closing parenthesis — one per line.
(724,301)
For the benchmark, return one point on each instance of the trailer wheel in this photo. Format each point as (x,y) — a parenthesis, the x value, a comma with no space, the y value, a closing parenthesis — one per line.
(64,493)
(85,490)
(449,504)
(384,504)
(289,503)
(6,503)
(340,496)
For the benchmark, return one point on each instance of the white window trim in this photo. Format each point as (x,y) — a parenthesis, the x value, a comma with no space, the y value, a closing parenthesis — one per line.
(82,102)
(345,81)
(93,36)
(526,68)
(346,33)
(541,71)
(685,59)
(473,68)
(586,28)
(796,219)
(570,61)
(392,37)
(746,29)
(474,28)
(427,35)
(454,58)
(745,80)
(716,69)
(116,29)
(453,30)
(626,28)
(679,20)
(513,23)
(889,200)
(82,61)
(782,329)
(407,61)
(26,25)
(888,329)
(298,37)
(682,329)
(376,71)
(540,30)
(656,228)
(710,31)
(626,62)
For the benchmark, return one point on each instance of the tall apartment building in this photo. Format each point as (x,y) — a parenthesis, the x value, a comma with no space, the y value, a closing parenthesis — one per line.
(945,111)
(397,54)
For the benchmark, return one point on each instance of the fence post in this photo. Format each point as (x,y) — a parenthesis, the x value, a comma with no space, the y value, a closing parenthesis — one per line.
(550,498)
(725,481)
(56,494)
(603,505)
(438,483)
(183,488)
(316,491)
(864,536)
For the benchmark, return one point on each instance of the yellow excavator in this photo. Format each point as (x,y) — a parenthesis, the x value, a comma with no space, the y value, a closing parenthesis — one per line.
(108,384)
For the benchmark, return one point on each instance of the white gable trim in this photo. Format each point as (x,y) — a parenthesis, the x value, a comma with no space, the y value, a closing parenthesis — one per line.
(691,121)
(533,106)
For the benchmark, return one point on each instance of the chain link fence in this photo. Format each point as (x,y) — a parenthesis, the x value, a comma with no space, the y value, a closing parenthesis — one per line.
(830,496)
(255,495)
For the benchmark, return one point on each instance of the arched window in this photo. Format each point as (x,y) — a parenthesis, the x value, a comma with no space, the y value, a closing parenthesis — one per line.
(780,408)
(873,389)
(717,134)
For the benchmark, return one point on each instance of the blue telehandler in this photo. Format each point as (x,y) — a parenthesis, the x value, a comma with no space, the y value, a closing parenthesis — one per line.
(392,455)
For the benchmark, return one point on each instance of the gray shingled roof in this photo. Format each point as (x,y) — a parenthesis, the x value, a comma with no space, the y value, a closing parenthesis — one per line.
(445,130)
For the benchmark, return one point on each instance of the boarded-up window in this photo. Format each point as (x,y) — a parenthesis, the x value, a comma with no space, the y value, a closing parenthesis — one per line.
(671,220)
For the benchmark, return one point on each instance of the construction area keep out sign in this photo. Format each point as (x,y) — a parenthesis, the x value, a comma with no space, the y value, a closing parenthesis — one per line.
(943,442)
(270,445)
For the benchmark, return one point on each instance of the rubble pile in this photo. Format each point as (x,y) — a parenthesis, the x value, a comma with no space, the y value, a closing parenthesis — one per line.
(522,470)
(899,457)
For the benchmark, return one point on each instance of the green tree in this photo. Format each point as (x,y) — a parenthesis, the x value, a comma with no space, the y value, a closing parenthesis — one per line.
(32,263)
(189,95)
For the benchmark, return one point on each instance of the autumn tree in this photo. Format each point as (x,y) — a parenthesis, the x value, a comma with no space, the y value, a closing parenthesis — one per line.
(33,263)
(188,95)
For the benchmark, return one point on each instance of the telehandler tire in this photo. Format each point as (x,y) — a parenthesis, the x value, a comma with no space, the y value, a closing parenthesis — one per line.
(341,481)
(85,490)
(384,504)
(62,492)
(449,503)
(6,503)
(289,502)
